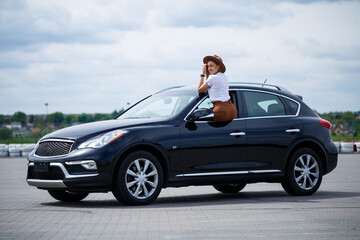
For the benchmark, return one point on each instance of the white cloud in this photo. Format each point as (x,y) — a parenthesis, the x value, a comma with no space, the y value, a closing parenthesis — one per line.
(95,56)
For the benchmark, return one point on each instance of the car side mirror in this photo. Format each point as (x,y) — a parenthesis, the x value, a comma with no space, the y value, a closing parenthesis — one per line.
(203,114)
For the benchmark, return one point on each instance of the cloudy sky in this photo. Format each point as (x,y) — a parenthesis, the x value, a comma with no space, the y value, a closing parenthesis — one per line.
(97,55)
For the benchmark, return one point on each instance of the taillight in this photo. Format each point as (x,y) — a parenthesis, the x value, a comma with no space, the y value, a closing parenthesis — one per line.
(325,123)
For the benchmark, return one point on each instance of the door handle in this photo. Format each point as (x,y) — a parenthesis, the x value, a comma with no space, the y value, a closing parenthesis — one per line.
(294,130)
(237,134)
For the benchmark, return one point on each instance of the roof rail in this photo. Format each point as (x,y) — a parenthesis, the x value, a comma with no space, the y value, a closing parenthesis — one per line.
(279,88)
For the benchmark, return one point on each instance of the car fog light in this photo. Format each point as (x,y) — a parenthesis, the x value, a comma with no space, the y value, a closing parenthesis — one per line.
(87,164)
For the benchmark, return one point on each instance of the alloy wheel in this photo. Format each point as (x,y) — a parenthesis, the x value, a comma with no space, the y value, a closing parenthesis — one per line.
(141,178)
(306,172)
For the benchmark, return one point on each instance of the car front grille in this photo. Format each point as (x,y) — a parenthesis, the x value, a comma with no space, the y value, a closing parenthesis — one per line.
(53,148)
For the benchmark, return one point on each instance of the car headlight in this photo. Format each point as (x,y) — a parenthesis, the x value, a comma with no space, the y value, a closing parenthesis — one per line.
(102,140)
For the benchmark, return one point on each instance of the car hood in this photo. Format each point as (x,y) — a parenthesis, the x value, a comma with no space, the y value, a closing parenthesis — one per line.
(95,128)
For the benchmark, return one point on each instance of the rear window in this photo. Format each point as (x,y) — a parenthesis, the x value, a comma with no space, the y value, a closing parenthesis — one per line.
(294,106)
(259,104)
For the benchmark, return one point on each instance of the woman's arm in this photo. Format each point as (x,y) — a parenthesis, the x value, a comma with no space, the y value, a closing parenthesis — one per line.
(203,86)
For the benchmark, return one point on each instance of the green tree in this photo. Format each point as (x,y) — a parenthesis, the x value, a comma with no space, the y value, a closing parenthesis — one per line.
(31,118)
(40,133)
(39,122)
(2,119)
(349,120)
(100,116)
(114,113)
(5,133)
(71,118)
(19,117)
(83,118)
(356,127)
(56,118)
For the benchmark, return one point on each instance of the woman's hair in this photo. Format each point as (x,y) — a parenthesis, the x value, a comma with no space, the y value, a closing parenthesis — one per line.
(212,60)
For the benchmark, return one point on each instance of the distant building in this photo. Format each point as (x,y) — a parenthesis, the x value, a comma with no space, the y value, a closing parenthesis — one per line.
(21,134)
(34,129)
(338,128)
(14,125)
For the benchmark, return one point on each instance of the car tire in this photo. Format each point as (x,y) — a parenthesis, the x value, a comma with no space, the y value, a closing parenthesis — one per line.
(67,196)
(138,180)
(304,173)
(229,188)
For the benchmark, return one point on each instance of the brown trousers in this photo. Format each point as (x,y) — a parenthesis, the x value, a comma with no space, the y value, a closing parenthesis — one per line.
(224,111)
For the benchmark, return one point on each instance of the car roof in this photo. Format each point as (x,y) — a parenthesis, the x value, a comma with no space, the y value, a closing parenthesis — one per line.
(262,86)
(237,85)
(258,85)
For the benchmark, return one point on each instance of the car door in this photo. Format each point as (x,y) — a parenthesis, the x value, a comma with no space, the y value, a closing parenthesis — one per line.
(213,148)
(270,129)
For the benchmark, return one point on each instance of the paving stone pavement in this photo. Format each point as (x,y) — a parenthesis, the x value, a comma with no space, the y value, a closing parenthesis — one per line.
(260,211)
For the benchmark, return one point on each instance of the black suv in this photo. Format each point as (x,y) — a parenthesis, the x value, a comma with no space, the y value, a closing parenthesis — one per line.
(170,140)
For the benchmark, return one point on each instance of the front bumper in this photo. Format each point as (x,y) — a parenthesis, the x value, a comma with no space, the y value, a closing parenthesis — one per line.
(80,170)
(56,170)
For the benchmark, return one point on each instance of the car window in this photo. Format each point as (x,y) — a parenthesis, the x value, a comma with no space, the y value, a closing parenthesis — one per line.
(293,106)
(259,104)
(206,104)
(159,106)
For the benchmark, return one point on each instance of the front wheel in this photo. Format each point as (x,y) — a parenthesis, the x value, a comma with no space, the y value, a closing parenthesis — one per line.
(229,188)
(138,179)
(67,196)
(304,173)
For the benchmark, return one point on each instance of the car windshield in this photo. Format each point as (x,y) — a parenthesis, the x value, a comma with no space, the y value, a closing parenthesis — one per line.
(162,105)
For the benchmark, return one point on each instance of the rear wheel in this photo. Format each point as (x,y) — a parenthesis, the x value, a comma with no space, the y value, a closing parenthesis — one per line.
(138,179)
(230,188)
(304,173)
(67,196)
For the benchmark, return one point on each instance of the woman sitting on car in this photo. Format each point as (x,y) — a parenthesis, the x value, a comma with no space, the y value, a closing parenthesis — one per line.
(217,85)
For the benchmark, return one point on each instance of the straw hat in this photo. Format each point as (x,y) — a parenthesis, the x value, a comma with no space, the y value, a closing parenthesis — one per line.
(217,60)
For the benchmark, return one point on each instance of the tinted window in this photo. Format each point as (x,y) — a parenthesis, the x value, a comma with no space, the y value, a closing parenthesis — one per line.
(260,104)
(293,106)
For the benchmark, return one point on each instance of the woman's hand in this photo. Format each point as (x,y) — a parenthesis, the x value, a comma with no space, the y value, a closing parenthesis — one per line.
(203,86)
(204,69)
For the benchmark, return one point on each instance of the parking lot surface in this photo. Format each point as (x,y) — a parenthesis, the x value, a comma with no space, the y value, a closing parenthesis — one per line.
(260,211)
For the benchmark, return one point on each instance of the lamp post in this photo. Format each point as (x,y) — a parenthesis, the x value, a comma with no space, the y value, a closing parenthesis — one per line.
(46,107)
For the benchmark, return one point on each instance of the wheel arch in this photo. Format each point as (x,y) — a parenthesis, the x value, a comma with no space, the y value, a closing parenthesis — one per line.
(151,148)
(313,145)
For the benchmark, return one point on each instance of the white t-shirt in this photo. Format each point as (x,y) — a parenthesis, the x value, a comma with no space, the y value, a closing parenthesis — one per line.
(219,87)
